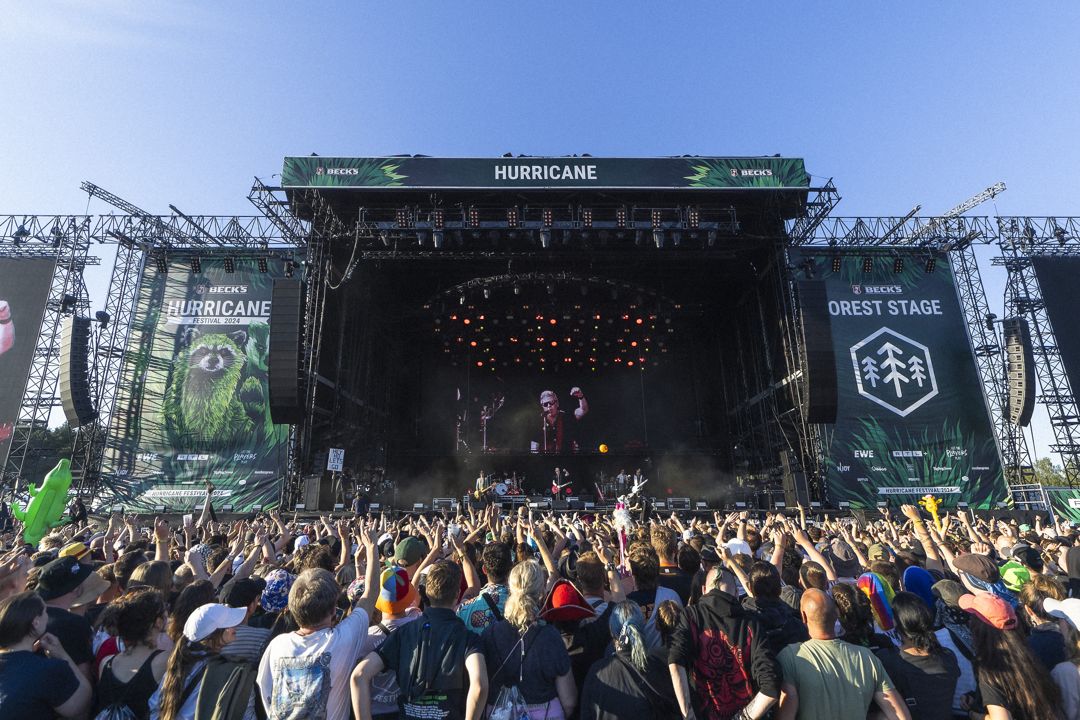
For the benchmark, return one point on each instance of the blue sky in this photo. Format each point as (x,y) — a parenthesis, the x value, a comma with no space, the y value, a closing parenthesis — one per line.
(183,102)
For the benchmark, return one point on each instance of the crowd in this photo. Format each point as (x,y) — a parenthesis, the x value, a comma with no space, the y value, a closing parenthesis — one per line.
(513,616)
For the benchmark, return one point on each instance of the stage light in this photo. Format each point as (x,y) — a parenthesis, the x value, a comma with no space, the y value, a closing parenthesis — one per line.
(898,265)
(438,219)
(512,217)
(711,238)
(658,238)
(474,217)
(1061,236)
(868,264)
(517,289)
(586,217)
(230,265)
(487,293)
(676,238)
(290,268)
(67,304)
(196,265)
(693,218)
(103,318)
(931,264)
(837,262)
(620,217)
(547,218)
(657,219)
(162,264)
(989,321)
(263,267)
(20,235)
(545,239)
(57,236)
(401,215)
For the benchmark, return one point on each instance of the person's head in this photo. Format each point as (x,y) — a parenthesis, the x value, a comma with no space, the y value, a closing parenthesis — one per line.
(721,578)
(665,543)
(645,567)
(765,580)
(313,598)
(194,595)
(66,583)
(627,626)
(22,616)
(125,565)
(1005,660)
(207,629)
(497,562)
(396,593)
(667,617)
(914,622)
(590,574)
(818,614)
(312,556)
(688,558)
(812,575)
(1034,592)
(139,616)
(549,403)
(526,594)
(854,612)
(156,574)
(443,584)
(888,572)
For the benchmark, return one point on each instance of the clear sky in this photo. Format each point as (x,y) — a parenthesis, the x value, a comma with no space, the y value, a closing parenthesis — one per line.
(183,102)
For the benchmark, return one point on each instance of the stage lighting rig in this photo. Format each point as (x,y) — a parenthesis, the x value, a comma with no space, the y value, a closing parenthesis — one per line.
(20,235)
(263,266)
(868,265)
(620,217)
(230,264)
(103,318)
(931,264)
(657,218)
(196,265)
(438,219)
(474,217)
(512,217)
(57,236)
(693,218)
(837,264)
(586,217)
(162,264)
(898,265)
(547,218)
(402,217)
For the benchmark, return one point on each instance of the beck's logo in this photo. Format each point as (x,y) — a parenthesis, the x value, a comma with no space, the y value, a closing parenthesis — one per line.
(894,371)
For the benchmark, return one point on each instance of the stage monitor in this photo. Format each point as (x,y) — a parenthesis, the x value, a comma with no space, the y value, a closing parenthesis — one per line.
(1057,281)
(24,289)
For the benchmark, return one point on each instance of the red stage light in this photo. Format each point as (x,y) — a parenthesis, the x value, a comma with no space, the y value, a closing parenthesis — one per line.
(453,317)
(639,321)
(479,363)
(630,363)
(466,321)
(554,343)
(633,343)
(480,318)
(472,343)
(552,321)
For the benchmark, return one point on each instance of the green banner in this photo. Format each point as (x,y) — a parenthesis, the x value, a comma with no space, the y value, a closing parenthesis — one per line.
(198,394)
(546,172)
(911,415)
(1064,502)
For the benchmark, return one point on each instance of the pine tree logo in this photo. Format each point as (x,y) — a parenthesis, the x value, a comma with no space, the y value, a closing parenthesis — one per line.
(894,371)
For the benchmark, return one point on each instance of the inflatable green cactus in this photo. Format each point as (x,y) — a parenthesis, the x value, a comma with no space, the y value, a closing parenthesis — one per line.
(47,503)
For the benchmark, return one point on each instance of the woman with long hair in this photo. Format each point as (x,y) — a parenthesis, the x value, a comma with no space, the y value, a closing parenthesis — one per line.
(923,672)
(207,629)
(856,617)
(32,685)
(633,682)
(130,677)
(1010,683)
(522,650)
(197,594)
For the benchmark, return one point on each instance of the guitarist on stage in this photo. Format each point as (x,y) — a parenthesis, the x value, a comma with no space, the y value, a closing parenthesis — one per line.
(482,488)
(556,486)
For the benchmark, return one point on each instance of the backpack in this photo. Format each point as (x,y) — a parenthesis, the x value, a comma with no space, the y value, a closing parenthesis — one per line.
(226,689)
(119,710)
(510,704)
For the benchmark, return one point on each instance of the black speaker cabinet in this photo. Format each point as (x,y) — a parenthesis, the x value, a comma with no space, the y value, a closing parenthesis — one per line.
(819,373)
(283,363)
(1019,370)
(75,371)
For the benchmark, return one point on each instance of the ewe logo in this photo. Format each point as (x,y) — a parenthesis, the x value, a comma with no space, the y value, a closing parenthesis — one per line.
(894,371)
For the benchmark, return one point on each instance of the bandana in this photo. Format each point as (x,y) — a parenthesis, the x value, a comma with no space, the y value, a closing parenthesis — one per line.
(955,620)
(997,588)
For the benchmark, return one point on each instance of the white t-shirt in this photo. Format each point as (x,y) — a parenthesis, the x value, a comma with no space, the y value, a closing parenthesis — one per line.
(307,676)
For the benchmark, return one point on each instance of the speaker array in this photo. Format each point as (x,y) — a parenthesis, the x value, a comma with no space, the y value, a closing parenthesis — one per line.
(1019,370)
(283,363)
(819,373)
(75,371)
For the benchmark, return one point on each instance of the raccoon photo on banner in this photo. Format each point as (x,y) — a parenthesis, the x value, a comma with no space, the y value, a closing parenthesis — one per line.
(199,390)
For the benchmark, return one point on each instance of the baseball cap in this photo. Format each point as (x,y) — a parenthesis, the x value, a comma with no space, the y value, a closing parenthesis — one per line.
(1014,575)
(301,541)
(409,551)
(243,592)
(844,561)
(991,609)
(1068,609)
(209,618)
(76,550)
(1029,556)
(877,552)
(65,575)
(396,593)
(978,566)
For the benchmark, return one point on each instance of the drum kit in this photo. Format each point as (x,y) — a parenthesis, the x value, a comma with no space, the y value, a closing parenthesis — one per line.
(508,486)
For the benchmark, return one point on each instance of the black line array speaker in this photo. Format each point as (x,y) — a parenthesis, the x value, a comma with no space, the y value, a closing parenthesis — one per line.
(75,371)
(819,374)
(1019,370)
(283,363)
(795,489)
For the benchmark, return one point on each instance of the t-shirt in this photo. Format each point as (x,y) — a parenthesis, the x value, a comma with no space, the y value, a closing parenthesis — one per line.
(926,682)
(614,689)
(546,658)
(384,686)
(966,683)
(673,578)
(476,614)
(249,643)
(32,685)
(1067,677)
(307,676)
(437,688)
(74,633)
(648,600)
(835,679)
(1048,644)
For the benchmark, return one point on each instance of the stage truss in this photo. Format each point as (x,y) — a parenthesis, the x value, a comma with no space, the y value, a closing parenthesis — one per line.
(141,237)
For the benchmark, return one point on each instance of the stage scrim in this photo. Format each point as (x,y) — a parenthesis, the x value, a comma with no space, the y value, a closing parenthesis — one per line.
(199,405)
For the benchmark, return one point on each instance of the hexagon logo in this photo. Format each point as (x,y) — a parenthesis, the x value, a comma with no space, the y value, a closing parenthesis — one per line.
(894,371)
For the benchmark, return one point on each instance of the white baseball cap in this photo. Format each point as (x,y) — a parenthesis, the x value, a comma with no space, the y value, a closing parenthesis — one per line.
(212,617)
(301,542)
(1068,609)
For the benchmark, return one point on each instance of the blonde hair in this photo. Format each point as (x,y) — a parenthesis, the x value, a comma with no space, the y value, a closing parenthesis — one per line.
(526,588)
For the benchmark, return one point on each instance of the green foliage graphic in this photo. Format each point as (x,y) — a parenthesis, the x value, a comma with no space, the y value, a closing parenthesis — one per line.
(362,172)
(786,172)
